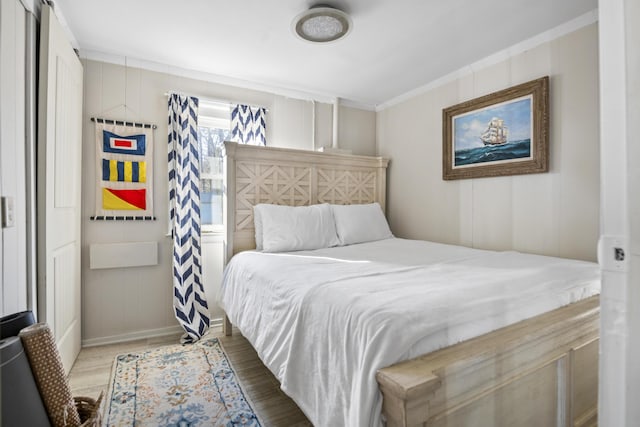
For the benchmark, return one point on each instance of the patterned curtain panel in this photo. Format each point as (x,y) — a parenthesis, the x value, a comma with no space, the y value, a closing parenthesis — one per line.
(248,125)
(189,303)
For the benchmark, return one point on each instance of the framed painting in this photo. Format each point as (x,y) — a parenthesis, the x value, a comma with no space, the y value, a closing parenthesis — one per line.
(503,133)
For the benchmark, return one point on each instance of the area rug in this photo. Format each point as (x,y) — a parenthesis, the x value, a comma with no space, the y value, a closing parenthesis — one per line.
(179,385)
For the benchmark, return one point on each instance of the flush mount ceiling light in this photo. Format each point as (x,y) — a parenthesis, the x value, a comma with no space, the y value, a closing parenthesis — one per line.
(322,24)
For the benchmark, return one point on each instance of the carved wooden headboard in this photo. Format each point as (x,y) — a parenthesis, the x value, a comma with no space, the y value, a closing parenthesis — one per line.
(295,178)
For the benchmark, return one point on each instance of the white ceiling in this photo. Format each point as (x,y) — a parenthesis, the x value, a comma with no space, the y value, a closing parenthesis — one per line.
(395,47)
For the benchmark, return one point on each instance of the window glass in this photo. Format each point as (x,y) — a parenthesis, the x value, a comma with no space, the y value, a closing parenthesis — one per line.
(211,179)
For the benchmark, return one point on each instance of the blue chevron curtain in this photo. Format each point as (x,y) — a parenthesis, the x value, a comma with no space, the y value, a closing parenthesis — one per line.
(248,125)
(189,302)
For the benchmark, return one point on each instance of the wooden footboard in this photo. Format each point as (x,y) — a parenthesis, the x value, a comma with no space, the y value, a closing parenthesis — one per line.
(539,372)
(226,326)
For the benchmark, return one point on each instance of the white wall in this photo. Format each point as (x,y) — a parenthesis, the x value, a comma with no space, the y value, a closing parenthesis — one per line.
(13,251)
(124,303)
(554,213)
(632,98)
(619,385)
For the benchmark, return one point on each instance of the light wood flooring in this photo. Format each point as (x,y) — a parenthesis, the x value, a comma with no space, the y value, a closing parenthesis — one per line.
(91,371)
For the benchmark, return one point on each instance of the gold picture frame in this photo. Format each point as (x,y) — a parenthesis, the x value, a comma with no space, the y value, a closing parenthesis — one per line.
(503,133)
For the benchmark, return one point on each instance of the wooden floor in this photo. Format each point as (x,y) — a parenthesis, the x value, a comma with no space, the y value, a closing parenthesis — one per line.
(91,371)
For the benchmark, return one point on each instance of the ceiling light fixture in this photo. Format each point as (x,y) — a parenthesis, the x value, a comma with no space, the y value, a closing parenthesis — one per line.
(322,24)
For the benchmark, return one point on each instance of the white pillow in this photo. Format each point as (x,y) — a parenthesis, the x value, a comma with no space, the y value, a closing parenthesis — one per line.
(360,223)
(288,228)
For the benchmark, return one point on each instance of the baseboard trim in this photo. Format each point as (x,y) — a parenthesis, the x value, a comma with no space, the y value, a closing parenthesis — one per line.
(139,335)
(132,336)
(216,323)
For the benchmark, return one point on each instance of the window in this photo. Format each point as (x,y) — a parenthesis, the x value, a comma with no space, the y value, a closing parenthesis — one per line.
(213,130)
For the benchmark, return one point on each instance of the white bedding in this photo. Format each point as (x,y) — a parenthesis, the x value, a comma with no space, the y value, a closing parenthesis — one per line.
(324,321)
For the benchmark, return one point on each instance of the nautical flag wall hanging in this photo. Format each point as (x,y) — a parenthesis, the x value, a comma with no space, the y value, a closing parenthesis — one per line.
(124,170)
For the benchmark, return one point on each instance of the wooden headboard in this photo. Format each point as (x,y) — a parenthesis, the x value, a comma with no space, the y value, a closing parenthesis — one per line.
(294,178)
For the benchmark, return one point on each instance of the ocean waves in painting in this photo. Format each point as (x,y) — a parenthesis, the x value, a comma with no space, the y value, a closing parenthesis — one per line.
(493,153)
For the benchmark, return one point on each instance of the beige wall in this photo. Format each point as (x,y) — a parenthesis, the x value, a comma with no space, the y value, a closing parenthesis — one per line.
(123,303)
(555,213)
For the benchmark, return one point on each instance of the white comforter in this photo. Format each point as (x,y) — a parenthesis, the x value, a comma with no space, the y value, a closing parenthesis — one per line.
(325,321)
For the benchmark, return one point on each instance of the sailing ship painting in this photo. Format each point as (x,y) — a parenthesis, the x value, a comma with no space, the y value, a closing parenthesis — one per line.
(497,134)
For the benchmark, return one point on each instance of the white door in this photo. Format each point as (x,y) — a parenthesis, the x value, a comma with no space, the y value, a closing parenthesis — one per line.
(59,167)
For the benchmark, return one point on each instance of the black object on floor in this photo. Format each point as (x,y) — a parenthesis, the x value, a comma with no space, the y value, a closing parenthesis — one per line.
(12,324)
(20,401)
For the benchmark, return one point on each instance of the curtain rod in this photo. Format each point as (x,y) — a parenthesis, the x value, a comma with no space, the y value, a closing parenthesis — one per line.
(210,100)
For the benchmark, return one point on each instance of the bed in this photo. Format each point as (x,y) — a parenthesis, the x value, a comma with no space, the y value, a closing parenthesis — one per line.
(512,338)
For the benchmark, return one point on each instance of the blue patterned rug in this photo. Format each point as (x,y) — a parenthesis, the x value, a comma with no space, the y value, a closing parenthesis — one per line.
(181,385)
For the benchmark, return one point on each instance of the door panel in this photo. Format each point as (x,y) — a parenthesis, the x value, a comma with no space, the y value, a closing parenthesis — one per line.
(59,178)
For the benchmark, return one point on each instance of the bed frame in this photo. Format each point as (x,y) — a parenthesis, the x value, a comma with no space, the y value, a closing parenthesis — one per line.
(539,372)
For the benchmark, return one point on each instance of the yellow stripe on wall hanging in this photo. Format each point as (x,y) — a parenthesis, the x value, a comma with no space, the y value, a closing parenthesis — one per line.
(113,170)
